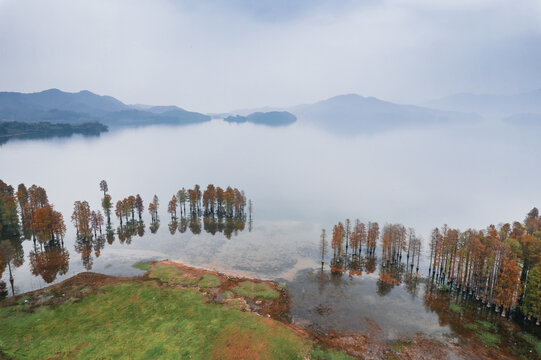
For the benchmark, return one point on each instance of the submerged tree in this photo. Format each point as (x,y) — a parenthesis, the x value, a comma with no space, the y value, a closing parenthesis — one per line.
(48,225)
(119,211)
(153,208)
(172,208)
(139,206)
(107,204)
(323,246)
(81,218)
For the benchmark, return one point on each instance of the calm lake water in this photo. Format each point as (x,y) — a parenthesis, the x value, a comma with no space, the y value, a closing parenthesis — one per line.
(301,179)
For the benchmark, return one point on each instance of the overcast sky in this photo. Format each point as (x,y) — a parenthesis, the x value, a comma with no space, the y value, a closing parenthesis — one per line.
(223,55)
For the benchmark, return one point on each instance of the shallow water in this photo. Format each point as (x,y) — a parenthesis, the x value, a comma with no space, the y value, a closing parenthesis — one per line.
(301,179)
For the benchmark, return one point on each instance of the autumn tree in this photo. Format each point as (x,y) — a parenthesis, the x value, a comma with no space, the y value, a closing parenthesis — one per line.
(119,211)
(139,206)
(372,237)
(48,224)
(96,220)
(9,217)
(81,218)
(107,204)
(126,208)
(172,208)
(347,233)
(22,198)
(182,197)
(355,238)
(153,209)
(131,202)
(338,235)
(104,187)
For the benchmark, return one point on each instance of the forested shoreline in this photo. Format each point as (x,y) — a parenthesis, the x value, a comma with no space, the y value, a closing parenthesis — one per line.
(45,129)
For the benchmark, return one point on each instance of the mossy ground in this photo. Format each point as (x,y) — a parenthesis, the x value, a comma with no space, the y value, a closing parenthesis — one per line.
(142,318)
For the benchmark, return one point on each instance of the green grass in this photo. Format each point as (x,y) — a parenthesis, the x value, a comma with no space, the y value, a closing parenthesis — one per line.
(143,265)
(227,295)
(141,320)
(172,275)
(455,307)
(488,338)
(482,330)
(485,324)
(256,290)
(209,281)
(318,353)
(532,340)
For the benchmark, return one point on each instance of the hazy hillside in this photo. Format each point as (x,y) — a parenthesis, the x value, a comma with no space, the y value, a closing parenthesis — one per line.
(63,107)
(367,114)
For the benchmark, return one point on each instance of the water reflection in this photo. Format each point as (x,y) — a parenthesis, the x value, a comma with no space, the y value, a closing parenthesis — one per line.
(359,289)
(50,262)
(469,319)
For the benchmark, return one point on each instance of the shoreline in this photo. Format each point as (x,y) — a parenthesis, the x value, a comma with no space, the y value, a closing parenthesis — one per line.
(271,303)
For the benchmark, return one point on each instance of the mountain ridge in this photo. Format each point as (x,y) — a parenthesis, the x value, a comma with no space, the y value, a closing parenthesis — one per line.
(85,106)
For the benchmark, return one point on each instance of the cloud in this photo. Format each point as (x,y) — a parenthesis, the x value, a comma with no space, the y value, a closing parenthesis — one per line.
(221,55)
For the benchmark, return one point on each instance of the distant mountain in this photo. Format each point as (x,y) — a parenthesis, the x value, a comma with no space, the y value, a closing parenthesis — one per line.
(491,104)
(63,107)
(272,118)
(355,113)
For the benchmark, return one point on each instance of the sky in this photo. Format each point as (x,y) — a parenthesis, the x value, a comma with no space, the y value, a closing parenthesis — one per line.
(217,55)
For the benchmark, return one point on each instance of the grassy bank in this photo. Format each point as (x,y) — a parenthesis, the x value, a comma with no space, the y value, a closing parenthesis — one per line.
(165,314)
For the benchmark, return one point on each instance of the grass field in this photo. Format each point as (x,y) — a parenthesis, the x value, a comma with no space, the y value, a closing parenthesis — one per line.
(143,319)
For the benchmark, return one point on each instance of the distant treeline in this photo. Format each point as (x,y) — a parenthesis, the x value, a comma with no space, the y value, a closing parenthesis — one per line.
(18,129)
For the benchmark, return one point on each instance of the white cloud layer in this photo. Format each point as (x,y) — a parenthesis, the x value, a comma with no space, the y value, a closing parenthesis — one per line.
(221,55)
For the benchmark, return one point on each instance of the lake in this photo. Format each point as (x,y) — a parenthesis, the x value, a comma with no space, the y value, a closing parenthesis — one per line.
(301,179)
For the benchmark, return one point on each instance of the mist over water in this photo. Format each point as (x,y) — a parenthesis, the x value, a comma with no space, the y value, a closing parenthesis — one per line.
(301,179)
